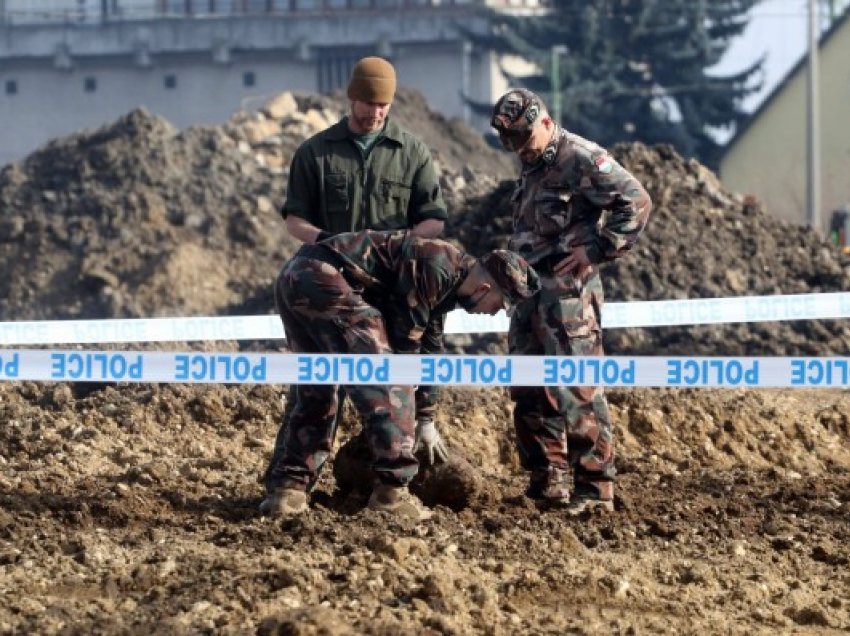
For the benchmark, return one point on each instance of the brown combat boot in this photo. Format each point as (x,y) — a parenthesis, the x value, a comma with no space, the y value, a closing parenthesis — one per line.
(579,505)
(284,502)
(590,497)
(549,486)
(398,501)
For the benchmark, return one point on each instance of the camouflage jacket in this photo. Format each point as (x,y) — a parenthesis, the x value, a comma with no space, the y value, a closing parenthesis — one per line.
(409,279)
(334,187)
(577,194)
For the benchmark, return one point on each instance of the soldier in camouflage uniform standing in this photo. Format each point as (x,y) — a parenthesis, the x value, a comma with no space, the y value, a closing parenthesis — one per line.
(367,172)
(574,207)
(323,296)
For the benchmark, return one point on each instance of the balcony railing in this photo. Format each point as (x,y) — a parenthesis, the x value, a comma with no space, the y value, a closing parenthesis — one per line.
(99,11)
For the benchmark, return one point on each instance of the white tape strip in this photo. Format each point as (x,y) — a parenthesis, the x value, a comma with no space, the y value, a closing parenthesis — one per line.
(635,314)
(142,330)
(708,311)
(237,368)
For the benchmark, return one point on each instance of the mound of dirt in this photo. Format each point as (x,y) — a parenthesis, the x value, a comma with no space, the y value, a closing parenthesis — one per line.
(138,219)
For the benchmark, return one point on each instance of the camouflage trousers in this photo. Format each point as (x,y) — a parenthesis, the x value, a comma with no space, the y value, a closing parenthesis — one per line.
(425,397)
(322,313)
(563,428)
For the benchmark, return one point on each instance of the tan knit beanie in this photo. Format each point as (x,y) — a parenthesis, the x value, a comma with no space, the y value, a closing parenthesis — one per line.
(372,80)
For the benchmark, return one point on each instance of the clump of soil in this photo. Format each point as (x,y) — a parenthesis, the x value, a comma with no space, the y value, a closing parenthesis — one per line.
(454,483)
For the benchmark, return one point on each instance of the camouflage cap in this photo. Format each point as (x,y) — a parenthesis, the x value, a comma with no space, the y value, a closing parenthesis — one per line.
(517,110)
(514,117)
(513,274)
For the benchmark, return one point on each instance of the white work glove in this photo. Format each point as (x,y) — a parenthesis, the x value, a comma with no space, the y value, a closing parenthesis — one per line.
(430,442)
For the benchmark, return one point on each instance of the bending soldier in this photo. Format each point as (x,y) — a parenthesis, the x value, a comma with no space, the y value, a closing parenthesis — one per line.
(326,296)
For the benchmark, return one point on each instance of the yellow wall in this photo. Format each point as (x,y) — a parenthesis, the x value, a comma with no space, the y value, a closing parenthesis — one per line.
(769,158)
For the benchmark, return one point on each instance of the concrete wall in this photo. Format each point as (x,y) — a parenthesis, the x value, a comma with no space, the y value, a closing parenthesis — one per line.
(835,138)
(45,68)
(768,160)
(52,103)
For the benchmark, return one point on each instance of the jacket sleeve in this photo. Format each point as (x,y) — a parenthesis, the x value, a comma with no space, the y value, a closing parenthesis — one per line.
(426,197)
(303,188)
(608,186)
(406,324)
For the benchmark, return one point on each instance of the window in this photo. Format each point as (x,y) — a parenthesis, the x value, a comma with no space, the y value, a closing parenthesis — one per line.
(170,81)
(249,79)
(90,84)
(334,66)
(11,87)
(176,7)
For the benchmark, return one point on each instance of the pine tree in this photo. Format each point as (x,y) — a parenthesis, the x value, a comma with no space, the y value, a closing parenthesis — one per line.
(635,70)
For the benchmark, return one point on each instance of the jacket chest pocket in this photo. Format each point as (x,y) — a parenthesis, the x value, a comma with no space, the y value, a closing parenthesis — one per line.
(394,197)
(336,194)
(552,211)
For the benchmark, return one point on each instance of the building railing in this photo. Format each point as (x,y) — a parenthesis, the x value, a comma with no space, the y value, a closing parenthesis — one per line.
(99,11)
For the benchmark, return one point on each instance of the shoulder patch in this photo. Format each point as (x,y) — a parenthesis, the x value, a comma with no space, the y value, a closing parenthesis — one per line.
(603,164)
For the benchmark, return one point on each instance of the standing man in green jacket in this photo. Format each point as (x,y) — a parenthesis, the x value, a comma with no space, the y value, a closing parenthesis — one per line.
(367,172)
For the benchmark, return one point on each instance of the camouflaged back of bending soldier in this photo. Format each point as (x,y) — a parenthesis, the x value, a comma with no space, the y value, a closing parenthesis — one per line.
(440,265)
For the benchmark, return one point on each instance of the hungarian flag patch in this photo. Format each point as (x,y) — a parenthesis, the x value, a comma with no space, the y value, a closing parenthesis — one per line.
(603,164)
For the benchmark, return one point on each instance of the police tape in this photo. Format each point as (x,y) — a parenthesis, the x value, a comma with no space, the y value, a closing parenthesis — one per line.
(654,313)
(453,370)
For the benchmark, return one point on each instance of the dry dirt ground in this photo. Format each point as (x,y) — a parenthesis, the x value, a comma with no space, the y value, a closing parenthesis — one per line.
(133,509)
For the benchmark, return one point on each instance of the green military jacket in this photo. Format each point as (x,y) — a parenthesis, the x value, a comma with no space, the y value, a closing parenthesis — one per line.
(577,194)
(334,187)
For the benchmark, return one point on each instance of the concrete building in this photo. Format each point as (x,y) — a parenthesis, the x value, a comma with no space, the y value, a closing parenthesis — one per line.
(767,156)
(67,65)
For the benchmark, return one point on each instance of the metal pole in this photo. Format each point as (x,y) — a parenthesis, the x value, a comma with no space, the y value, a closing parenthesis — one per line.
(556,87)
(557,51)
(466,77)
(813,122)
